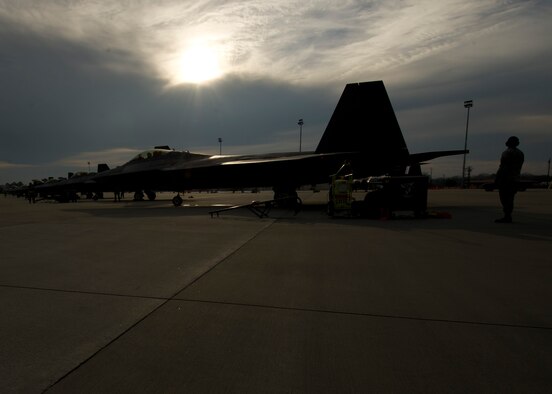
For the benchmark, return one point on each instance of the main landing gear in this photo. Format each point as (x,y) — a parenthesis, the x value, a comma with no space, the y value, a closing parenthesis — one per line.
(139,195)
(177,200)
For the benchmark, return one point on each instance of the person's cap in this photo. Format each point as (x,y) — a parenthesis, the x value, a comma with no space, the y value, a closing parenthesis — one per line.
(512,141)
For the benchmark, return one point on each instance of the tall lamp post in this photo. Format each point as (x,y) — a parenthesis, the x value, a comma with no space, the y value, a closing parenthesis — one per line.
(467,104)
(548,175)
(220,146)
(300,123)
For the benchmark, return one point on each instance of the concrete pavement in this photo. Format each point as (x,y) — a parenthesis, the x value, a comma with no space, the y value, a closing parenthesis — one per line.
(145,297)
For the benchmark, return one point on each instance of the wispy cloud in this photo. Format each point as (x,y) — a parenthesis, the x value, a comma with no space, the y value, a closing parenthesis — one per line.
(293,40)
(4,165)
(112,157)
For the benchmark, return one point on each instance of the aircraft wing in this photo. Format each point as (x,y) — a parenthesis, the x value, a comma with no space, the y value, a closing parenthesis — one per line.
(284,158)
(252,159)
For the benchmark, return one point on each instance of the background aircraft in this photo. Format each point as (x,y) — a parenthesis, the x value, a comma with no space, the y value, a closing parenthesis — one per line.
(68,189)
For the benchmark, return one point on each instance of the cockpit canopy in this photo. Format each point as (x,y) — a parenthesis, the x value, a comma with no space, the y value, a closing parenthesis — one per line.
(149,154)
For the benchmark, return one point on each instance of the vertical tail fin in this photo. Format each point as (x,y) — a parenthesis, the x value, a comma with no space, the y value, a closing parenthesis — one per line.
(364,122)
(102,167)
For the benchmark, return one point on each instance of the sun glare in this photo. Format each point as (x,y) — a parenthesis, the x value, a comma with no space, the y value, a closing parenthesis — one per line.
(199,64)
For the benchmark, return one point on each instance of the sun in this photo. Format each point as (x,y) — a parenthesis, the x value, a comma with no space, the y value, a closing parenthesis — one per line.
(199,64)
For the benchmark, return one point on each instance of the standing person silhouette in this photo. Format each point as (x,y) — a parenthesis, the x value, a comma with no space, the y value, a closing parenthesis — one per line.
(507,177)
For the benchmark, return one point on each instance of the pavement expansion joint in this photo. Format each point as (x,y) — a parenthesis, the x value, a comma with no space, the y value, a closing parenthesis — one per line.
(82,292)
(154,310)
(373,315)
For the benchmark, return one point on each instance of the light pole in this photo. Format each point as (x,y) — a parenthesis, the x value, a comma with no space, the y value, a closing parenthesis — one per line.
(89,167)
(300,123)
(220,146)
(467,104)
(548,175)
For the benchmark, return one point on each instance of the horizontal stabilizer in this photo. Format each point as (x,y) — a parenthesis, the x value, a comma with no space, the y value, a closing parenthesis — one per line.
(426,156)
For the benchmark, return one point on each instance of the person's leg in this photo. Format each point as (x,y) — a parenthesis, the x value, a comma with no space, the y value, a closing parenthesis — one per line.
(507,200)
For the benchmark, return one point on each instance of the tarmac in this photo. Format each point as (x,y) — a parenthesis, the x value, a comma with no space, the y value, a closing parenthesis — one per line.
(143,297)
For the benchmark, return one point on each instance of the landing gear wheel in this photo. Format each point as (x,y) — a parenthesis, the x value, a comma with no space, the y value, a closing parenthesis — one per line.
(151,195)
(177,200)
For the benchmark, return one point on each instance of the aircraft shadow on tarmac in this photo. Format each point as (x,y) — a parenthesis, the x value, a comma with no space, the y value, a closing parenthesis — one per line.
(476,219)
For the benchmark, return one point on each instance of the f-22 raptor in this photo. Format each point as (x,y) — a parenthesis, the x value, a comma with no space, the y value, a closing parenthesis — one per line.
(363,131)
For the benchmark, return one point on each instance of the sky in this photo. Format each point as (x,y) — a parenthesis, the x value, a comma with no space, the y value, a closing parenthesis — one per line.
(84,82)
